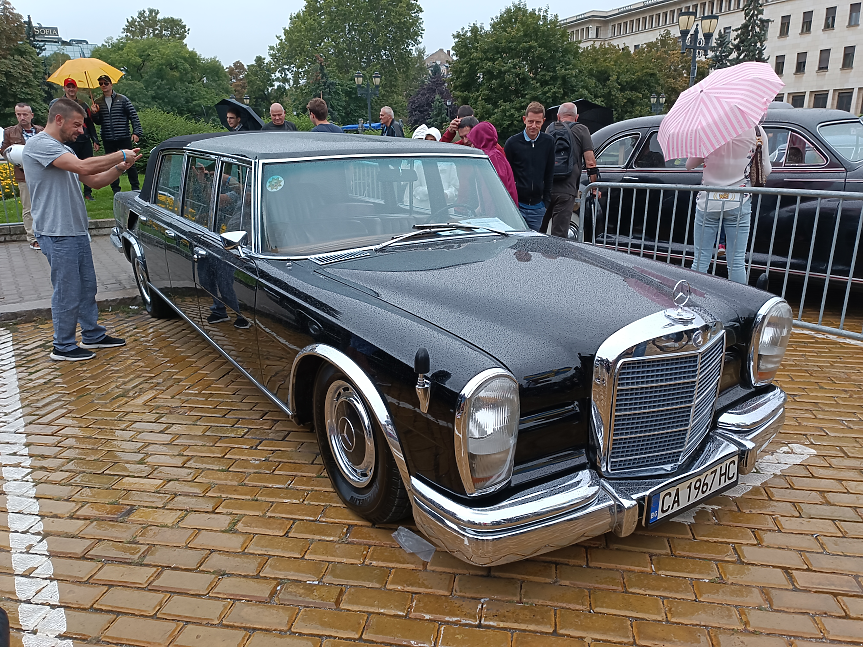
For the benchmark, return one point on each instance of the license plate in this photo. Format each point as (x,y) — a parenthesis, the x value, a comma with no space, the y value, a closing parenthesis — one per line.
(677,498)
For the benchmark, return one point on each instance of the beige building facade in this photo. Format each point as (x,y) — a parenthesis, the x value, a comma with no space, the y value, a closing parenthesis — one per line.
(815,47)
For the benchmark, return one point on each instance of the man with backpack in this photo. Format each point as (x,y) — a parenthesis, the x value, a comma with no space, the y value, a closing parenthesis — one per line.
(572,142)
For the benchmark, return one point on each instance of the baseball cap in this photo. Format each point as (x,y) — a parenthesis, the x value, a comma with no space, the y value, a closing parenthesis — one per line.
(105,77)
(70,81)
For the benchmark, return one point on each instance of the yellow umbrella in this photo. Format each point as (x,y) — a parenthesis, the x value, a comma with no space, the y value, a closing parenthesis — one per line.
(85,71)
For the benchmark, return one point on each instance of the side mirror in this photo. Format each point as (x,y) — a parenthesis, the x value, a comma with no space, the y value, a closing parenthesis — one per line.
(232,240)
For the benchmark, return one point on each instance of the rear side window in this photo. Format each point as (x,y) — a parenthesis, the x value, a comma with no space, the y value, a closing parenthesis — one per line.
(234,202)
(618,151)
(169,182)
(791,150)
(651,156)
(199,190)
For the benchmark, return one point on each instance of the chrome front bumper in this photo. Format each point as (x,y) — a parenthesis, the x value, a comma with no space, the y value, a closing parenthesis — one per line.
(582,505)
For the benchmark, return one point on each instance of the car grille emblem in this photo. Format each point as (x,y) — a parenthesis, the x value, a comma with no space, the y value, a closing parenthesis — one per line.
(680,295)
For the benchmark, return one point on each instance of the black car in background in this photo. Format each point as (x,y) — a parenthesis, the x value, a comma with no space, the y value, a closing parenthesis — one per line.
(389,293)
(810,150)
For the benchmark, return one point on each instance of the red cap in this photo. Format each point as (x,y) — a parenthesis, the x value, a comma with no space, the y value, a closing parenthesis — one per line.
(69,81)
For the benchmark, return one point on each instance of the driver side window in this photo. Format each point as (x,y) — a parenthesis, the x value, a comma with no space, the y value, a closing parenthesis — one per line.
(651,156)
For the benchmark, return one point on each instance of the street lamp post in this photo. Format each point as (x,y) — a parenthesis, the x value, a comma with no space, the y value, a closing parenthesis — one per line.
(368,90)
(657,104)
(689,37)
(449,108)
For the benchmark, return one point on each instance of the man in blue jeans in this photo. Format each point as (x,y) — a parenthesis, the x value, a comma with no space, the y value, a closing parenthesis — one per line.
(530,153)
(60,225)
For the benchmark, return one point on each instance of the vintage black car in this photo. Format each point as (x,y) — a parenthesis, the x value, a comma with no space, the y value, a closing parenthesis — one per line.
(810,150)
(517,392)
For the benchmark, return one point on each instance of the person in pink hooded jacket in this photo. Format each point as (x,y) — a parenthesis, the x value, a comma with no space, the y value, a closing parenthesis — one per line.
(484,137)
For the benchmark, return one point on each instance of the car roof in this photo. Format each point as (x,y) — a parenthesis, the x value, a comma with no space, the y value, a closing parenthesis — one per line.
(808,117)
(278,145)
(265,145)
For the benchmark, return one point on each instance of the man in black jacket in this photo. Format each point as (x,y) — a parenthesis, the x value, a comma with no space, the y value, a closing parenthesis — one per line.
(113,112)
(88,142)
(531,155)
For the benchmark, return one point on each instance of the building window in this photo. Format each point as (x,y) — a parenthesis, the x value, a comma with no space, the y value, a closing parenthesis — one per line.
(823,60)
(854,15)
(710,6)
(848,57)
(703,8)
(801,63)
(784,26)
(636,48)
(631,25)
(797,100)
(779,97)
(830,18)
(843,100)
(596,32)
(779,65)
(738,5)
(819,99)
(806,27)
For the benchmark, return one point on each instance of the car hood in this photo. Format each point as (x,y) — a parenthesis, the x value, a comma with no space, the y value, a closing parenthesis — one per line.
(535,303)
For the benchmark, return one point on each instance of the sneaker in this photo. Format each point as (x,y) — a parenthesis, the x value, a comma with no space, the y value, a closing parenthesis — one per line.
(721,251)
(35,245)
(75,355)
(217,318)
(105,342)
(90,198)
(242,322)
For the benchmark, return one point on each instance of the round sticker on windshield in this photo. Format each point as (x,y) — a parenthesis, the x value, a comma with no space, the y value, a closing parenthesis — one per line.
(275,183)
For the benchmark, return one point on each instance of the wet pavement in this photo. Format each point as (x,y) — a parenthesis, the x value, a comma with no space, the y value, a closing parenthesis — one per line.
(154,497)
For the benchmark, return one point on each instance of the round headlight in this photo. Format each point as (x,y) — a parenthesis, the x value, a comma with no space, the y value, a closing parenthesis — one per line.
(486,430)
(770,335)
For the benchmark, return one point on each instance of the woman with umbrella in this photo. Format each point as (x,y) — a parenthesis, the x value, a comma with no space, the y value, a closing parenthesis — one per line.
(715,123)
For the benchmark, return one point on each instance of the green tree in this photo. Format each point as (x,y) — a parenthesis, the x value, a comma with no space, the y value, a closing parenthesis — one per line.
(22,73)
(346,36)
(750,37)
(237,78)
(147,24)
(721,51)
(259,84)
(523,55)
(54,60)
(164,73)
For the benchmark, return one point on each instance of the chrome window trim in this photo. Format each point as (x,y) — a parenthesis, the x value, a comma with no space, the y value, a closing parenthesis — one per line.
(619,137)
(312,158)
(839,156)
(222,162)
(460,429)
(807,137)
(757,325)
(633,341)
(211,213)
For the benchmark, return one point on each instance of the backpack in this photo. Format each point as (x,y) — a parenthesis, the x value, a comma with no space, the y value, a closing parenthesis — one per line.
(564,149)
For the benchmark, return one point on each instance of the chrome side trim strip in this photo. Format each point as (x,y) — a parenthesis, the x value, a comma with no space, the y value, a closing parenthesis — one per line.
(263,389)
(367,389)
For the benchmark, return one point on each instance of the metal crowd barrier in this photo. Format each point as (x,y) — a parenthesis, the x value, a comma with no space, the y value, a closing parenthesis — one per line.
(9,193)
(806,240)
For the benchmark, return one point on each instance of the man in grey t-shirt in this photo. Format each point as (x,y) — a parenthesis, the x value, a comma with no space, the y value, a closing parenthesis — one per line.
(60,225)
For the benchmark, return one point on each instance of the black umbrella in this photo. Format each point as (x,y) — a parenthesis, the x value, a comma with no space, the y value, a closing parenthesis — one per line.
(592,115)
(249,119)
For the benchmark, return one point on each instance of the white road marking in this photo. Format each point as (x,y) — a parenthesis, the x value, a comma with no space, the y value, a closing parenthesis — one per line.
(766,468)
(38,596)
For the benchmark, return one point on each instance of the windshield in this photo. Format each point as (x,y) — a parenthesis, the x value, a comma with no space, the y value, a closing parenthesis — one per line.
(315,207)
(845,138)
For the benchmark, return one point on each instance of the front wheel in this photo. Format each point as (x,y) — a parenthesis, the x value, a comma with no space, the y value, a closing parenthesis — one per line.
(355,452)
(155,306)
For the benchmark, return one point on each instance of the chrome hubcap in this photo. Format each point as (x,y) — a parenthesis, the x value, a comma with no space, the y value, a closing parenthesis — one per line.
(349,433)
(141,278)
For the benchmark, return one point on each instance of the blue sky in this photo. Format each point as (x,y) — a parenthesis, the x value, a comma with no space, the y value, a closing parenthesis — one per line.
(215,32)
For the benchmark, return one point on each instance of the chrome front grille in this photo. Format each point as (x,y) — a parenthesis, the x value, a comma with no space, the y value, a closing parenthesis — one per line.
(663,407)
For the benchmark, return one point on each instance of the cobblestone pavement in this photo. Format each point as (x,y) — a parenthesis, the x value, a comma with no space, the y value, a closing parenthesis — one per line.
(27,277)
(154,497)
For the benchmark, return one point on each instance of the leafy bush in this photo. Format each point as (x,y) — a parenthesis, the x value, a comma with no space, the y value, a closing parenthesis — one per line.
(159,126)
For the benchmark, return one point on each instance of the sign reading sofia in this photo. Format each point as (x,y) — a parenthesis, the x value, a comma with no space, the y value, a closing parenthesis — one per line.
(45,33)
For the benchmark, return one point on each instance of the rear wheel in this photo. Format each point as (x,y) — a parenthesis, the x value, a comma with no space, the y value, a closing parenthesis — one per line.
(155,305)
(355,452)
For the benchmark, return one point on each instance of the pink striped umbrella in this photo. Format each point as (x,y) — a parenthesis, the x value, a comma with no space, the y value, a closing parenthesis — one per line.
(716,110)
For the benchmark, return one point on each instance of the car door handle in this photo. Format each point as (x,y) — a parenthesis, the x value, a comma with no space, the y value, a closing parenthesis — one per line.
(170,234)
(143,219)
(198,254)
(629,177)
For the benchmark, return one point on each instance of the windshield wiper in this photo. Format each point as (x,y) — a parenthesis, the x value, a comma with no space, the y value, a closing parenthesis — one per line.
(433,228)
